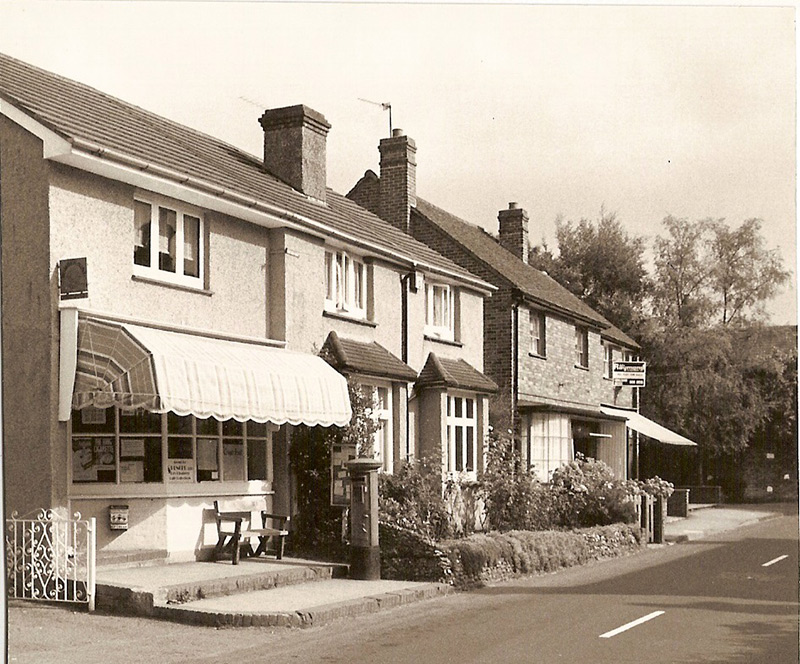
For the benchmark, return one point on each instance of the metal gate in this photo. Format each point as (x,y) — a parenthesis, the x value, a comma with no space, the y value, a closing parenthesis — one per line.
(51,558)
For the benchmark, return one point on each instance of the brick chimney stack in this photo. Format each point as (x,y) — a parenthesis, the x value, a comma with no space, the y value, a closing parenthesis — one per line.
(514,231)
(295,148)
(398,180)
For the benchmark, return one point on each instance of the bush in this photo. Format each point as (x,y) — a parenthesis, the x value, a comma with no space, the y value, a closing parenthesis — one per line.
(494,556)
(656,487)
(588,494)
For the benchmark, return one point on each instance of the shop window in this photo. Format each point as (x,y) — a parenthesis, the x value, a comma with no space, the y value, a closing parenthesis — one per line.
(462,429)
(439,311)
(345,284)
(168,243)
(537,327)
(119,446)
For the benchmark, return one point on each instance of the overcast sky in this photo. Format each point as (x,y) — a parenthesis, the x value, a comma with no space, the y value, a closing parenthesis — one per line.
(649,111)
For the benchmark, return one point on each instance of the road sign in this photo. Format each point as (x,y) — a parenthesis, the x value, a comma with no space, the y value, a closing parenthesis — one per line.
(629,373)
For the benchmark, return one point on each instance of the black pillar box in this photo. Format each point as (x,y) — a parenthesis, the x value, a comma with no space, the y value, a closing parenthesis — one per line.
(73,282)
(365,553)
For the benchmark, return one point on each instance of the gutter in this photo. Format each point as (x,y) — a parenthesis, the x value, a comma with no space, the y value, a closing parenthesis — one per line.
(84,149)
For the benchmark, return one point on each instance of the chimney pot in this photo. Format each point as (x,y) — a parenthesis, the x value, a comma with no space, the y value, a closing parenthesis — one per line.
(397,132)
(512,206)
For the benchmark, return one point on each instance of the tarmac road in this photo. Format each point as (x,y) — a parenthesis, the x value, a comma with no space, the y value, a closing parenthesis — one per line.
(731,598)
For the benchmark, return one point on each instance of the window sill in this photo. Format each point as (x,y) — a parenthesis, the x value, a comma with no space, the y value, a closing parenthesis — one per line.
(581,367)
(350,319)
(537,356)
(446,342)
(133,490)
(169,284)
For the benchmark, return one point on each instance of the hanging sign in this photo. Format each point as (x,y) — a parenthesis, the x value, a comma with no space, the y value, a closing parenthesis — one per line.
(629,373)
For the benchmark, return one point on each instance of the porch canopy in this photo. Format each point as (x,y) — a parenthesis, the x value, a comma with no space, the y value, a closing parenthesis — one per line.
(132,366)
(647,427)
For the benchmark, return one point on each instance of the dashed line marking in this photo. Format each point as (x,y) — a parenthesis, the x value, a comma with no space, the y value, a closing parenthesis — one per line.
(631,624)
(775,560)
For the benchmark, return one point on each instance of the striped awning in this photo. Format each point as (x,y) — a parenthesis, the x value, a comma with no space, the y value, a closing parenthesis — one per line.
(133,366)
(647,427)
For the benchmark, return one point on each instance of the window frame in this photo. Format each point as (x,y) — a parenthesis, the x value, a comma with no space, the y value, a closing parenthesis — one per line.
(445,329)
(251,433)
(182,213)
(465,423)
(346,283)
(383,438)
(608,360)
(538,333)
(581,347)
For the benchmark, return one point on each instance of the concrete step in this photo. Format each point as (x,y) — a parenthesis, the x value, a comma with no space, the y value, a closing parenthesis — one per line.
(139,590)
(134,558)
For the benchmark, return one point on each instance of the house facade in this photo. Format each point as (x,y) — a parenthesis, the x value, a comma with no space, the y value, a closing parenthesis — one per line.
(549,353)
(166,297)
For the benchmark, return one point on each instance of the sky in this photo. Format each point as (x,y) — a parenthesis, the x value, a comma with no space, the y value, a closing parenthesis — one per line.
(647,111)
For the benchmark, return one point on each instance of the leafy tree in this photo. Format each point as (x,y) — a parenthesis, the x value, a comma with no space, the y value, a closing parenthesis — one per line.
(743,274)
(600,263)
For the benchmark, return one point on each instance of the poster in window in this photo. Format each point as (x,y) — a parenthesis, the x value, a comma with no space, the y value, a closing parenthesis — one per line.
(93,460)
(131,448)
(233,460)
(180,470)
(131,471)
(92,415)
(340,485)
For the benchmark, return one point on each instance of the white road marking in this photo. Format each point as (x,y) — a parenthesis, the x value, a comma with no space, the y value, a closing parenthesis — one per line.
(776,560)
(634,623)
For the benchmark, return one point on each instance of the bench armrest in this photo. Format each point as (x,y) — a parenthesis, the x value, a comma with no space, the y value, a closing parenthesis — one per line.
(279,521)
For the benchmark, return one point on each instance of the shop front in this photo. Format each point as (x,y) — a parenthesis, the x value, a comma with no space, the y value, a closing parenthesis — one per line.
(161,422)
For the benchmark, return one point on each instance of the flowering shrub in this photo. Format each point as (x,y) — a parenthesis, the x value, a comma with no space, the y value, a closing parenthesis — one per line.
(588,494)
(656,487)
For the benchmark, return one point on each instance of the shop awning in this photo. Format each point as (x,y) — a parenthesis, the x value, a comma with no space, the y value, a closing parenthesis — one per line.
(647,427)
(133,366)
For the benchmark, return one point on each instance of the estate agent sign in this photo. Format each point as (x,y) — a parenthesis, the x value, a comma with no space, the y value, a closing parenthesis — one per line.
(629,373)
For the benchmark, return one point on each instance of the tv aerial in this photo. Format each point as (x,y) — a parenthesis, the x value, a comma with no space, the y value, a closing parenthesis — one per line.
(385,105)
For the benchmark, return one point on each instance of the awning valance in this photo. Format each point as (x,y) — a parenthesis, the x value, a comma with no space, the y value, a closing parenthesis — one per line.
(133,366)
(647,427)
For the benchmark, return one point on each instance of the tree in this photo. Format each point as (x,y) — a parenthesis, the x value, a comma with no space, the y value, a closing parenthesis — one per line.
(743,275)
(600,263)
(681,274)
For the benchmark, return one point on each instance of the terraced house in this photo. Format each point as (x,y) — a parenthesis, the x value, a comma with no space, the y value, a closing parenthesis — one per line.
(550,354)
(166,296)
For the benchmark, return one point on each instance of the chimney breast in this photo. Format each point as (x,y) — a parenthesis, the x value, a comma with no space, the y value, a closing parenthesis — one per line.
(514,231)
(295,148)
(398,181)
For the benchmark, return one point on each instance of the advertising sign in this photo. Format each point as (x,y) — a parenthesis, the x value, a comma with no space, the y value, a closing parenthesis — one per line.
(340,485)
(180,470)
(629,373)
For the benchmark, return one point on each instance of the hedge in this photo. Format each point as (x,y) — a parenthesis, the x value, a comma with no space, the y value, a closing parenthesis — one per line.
(493,556)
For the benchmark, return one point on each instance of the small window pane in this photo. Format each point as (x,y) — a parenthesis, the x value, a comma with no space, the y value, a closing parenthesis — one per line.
(470,403)
(93,460)
(470,446)
(152,460)
(233,460)
(93,420)
(358,284)
(232,428)
(257,429)
(179,448)
(141,224)
(329,279)
(191,246)
(257,459)
(207,461)
(139,421)
(208,427)
(458,406)
(459,448)
(179,424)
(167,230)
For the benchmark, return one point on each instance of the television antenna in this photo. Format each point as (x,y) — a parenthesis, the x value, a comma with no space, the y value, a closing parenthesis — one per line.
(385,105)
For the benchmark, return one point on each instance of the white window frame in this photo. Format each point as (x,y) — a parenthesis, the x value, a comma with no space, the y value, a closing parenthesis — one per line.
(538,326)
(343,272)
(383,438)
(581,347)
(445,328)
(608,360)
(464,423)
(153,271)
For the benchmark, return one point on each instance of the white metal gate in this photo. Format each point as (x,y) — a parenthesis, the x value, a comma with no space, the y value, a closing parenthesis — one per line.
(51,558)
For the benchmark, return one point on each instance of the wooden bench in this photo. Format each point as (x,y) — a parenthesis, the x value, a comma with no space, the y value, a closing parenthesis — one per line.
(234,527)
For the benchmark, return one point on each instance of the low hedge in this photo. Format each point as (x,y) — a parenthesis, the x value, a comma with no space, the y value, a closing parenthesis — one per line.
(493,556)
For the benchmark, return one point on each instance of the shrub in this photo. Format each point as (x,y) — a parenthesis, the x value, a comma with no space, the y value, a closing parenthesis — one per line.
(588,494)
(656,487)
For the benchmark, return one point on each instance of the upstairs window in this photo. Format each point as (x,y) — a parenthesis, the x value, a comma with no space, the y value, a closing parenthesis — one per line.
(537,323)
(345,284)
(582,347)
(439,311)
(168,243)
(608,360)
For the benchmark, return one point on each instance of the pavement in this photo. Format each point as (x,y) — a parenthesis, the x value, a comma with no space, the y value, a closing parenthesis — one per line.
(301,593)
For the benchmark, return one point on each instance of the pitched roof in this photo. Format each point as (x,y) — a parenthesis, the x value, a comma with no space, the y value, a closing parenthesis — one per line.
(532,283)
(370,358)
(106,127)
(444,372)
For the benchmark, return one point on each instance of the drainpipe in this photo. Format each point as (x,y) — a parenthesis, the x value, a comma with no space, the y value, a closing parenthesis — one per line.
(404,279)
(515,368)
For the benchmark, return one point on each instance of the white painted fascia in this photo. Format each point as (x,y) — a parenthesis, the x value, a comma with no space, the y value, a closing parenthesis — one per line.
(54,145)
